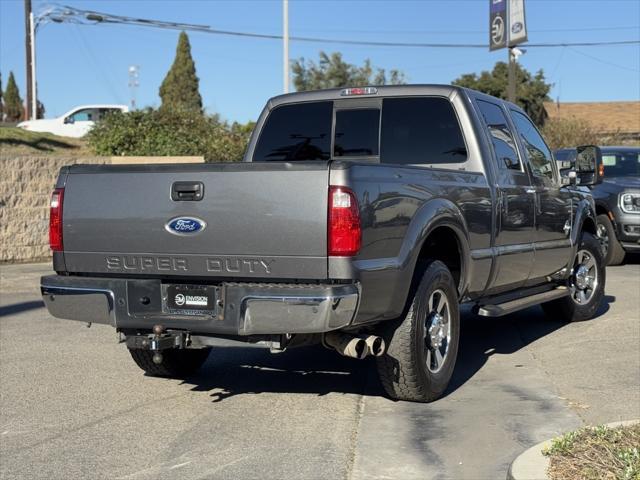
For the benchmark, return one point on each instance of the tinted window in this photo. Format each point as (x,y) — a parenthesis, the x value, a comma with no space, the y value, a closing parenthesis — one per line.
(357,133)
(501,137)
(538,153)
(420,130)
(621,164)
(296,132)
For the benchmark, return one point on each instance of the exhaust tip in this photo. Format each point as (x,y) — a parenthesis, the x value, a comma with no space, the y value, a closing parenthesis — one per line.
(375,345)
(360,348)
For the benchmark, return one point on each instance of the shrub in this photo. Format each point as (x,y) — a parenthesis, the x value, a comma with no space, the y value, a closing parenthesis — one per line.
(569,132)
(169,133)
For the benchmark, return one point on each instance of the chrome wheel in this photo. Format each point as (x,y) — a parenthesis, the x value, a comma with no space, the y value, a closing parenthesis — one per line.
(584,279)
(437,331)
(603,238)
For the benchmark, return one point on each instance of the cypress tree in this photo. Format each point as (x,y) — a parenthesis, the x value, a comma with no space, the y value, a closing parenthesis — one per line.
(179,90)
(1,104)
(12,102)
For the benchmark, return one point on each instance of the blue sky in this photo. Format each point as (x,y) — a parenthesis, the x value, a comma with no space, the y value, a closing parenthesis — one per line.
(89,64)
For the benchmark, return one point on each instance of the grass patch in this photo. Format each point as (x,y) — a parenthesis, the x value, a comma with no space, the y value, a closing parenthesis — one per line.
(16,141)
(596,453)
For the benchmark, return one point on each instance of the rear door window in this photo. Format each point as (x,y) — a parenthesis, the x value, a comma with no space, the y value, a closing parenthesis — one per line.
(538,153)
(296,132)
(420,130)
(501,136)
(357,132)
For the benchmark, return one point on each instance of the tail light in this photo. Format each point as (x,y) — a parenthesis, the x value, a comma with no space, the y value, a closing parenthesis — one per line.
(55,220)
(344,232)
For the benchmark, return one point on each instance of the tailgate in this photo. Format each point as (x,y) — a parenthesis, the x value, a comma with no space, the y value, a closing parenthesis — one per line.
(260,220)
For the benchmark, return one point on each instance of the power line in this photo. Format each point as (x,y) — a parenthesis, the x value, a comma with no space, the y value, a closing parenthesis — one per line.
(69,14)
(605,62)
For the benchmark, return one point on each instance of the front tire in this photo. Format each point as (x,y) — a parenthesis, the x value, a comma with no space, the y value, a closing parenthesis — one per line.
(611,249)
(422,347)
(178,363)
(586,284)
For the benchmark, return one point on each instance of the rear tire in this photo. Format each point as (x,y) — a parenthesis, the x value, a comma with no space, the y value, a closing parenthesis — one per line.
(582,303)
(177,363)
(613,252)
(410,369)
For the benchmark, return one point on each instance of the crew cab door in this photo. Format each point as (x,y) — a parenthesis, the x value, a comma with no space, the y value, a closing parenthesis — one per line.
(514,236)
(552,202)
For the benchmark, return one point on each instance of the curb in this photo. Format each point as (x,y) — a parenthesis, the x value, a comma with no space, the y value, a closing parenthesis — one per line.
(532,465)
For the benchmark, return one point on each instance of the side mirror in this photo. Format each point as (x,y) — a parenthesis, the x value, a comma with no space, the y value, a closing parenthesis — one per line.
(511,163)
(69,120)
(588,165)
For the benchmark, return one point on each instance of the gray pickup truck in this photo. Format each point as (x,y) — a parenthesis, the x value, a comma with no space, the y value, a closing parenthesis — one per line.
(360,219)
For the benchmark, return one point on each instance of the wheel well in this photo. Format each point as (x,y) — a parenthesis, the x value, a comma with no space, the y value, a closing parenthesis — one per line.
(601,210)
(589,226)
(441,244)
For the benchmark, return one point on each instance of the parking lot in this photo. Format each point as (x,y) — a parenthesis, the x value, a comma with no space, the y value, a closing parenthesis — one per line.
(74,405)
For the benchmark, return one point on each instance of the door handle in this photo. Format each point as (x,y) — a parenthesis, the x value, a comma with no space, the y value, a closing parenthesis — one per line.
(187,191)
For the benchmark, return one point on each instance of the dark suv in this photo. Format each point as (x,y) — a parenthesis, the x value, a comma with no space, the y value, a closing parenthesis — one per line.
(617,200)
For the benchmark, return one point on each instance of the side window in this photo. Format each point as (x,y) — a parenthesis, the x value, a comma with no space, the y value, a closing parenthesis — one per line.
(85,115)
(357,133)
(538,153)
(296,132)
(420,130)
(503,142)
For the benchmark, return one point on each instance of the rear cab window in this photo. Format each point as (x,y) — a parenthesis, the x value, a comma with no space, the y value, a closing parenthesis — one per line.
(296,132)
(417,130)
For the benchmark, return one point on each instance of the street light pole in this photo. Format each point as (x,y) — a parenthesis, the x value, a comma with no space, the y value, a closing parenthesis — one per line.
(285,41)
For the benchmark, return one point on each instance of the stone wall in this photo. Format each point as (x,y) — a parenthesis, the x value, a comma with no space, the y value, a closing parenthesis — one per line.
(26,184)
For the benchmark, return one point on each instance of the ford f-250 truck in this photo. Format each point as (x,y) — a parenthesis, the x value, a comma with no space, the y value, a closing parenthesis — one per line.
(360,218)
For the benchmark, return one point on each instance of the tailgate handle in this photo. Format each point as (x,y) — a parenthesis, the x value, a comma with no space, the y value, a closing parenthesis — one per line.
(187,191)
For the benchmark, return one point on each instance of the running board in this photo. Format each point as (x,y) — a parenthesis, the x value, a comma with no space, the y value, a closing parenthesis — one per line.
(501,309)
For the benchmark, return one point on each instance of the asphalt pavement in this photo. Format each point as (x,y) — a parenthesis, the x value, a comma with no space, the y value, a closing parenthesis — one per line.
(74,405)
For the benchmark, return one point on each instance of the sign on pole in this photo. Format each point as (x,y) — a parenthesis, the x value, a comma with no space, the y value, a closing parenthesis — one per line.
(497,24)
(517,25)
(507,26)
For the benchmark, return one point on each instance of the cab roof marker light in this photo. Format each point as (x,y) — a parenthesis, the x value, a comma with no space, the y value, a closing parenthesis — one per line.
(348,92)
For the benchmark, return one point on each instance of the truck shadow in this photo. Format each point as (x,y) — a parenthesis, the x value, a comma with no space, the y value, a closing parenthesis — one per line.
(482,337)
(232,370)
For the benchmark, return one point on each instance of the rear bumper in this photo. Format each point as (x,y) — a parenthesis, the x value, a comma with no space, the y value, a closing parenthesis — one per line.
(243,308)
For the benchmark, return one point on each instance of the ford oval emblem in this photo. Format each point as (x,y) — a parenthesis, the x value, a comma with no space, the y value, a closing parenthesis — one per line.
(517,27)
(185,225)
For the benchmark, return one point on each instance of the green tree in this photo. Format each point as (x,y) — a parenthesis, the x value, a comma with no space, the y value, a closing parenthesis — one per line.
(332,71)
(531,90)
(13,107)
(1,104)
(40,110)
(179,89)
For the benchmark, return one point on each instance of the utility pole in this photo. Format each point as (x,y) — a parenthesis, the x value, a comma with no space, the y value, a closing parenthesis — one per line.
(511,87)
(285,40)
(28,14)
(34,86)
